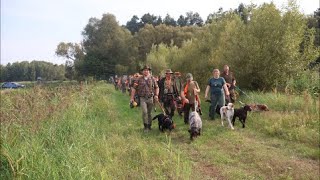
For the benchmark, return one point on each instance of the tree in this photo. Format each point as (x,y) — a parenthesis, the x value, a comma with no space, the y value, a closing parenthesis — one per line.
(121,69)
(106,44)
(182,21)
(157,58)
(168,35)
(169,21)
(74,53)
(216,16)
(149,19)
(134,25)
(159,21)
(313,21)
(28,71)
(244,12)
(193,19)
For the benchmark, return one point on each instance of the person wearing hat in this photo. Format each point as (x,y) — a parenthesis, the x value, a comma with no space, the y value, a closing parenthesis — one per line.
(178,85)
(168,93)
(133,80)
(218,91)
(231,84)
(178,81)
(148,91)
(189,95)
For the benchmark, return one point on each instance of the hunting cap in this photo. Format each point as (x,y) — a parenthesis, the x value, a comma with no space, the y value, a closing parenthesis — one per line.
(146,67)
(189,76)
(168,71)
(136,75)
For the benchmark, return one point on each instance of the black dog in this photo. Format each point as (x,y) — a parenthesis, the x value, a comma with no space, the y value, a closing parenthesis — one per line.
(241,113)
(164,122)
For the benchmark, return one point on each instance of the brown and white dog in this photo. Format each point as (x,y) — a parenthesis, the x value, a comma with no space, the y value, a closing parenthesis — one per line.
(259,107)
(227,113)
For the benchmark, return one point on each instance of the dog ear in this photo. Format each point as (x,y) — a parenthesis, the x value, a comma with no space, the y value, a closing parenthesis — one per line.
(225,110)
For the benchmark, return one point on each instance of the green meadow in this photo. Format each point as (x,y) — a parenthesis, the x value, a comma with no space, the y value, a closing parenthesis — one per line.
(73,131)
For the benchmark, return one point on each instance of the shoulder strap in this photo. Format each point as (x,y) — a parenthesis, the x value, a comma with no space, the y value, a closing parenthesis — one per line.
(185,90)
(175,89)
(153,82)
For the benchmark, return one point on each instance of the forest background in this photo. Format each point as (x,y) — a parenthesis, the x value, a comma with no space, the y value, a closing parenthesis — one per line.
(266,47)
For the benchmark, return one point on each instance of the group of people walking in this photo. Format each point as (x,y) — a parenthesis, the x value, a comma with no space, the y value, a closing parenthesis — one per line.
(171,93)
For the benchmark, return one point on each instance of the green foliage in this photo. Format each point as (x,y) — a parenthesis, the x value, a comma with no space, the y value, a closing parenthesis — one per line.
(72,51)
(291,117)
(168,35)
(106,44)
(158,58)
(306,81)
(133,25)
(169,21)
(30,71)
(264,51)
(121,70)
(264,46)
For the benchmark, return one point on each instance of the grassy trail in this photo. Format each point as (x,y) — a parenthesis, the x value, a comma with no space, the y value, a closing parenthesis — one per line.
(241,154)
(98,136)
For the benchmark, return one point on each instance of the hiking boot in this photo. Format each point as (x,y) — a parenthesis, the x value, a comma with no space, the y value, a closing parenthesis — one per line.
(146,128)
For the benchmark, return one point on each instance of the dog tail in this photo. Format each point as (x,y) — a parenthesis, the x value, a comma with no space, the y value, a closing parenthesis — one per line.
(155,117)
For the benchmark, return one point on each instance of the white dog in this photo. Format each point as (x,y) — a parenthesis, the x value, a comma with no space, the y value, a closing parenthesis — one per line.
(227,113)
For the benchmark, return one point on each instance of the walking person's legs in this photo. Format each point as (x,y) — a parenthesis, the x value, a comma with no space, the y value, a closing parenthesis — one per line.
(144,108)
(149,110)
(213,106)
(186,110)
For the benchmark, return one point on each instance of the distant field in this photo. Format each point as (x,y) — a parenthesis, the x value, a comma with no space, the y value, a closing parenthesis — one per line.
(90,132)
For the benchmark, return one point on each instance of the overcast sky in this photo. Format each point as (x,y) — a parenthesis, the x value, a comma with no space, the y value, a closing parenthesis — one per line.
(32,29)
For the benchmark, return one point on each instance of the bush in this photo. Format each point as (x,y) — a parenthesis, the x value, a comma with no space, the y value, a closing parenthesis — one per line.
(306,81)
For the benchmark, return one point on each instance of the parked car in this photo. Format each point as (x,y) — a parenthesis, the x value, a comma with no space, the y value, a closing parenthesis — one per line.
(12,85)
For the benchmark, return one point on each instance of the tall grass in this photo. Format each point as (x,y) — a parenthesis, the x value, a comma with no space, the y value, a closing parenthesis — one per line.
(85,140)
(292,117)
(90,132)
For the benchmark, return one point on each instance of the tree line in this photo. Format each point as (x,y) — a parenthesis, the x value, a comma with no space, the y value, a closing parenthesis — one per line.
(266,47)
(30,71)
